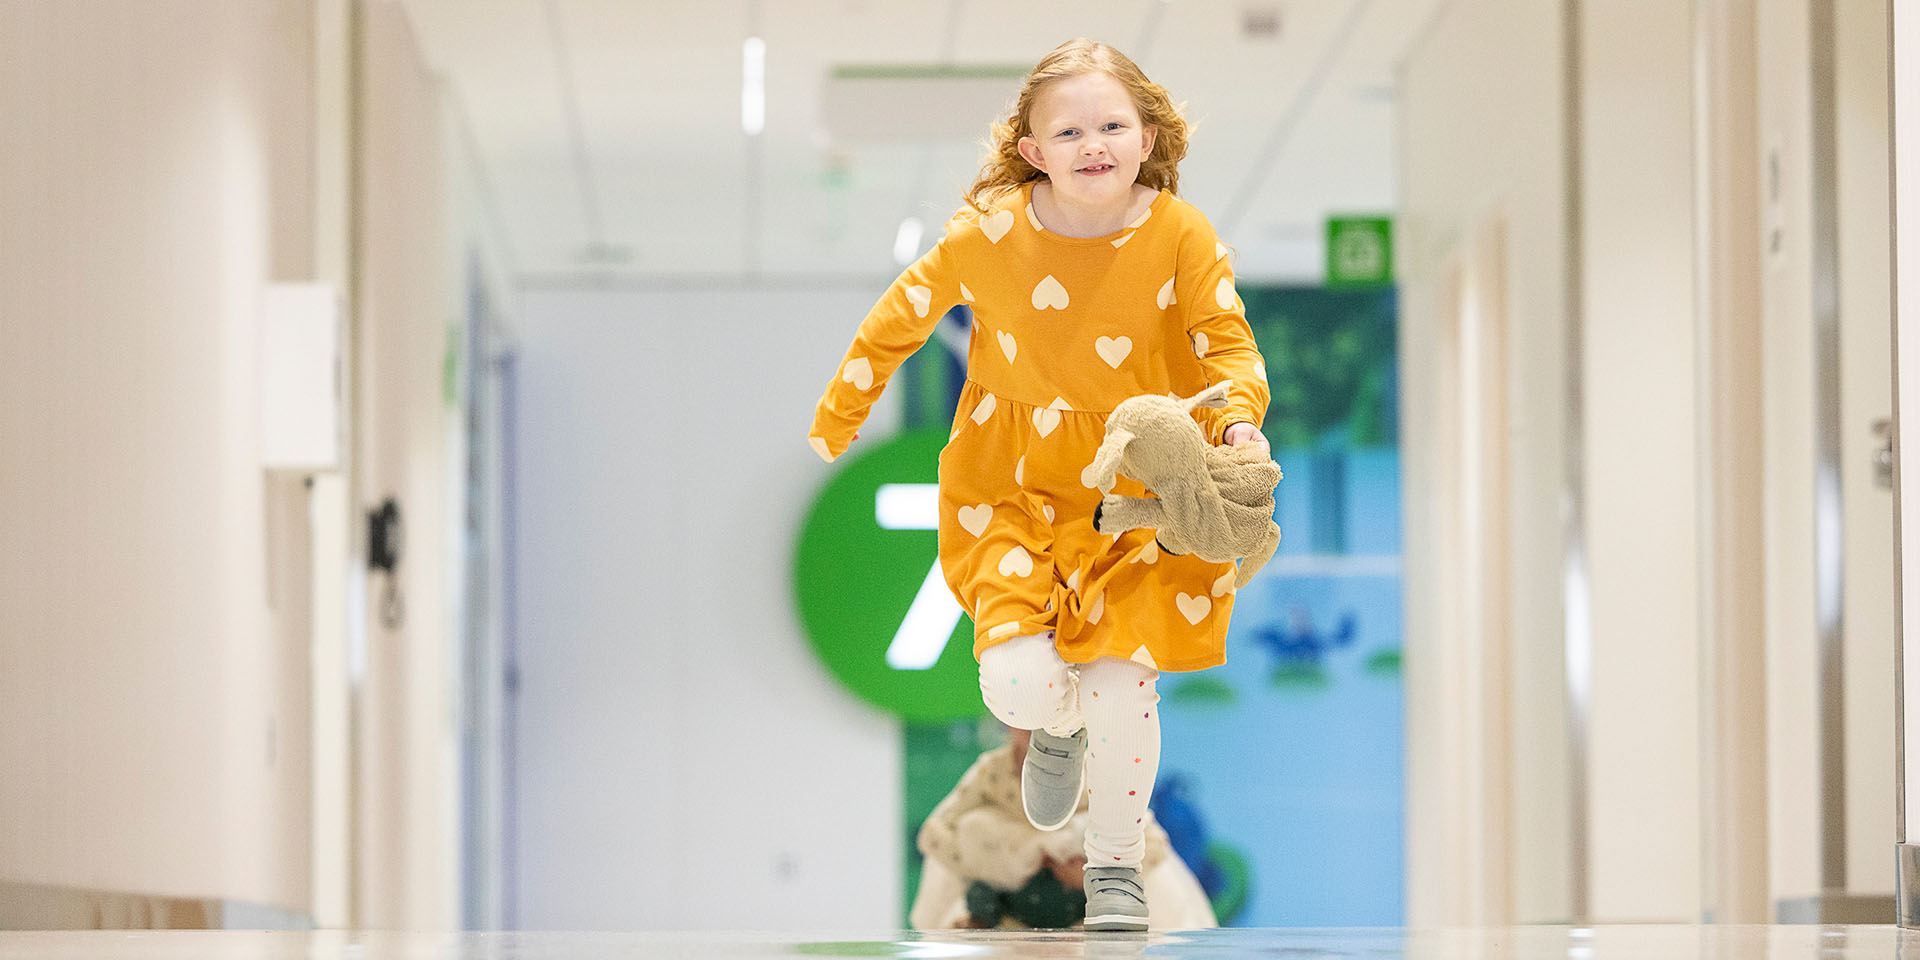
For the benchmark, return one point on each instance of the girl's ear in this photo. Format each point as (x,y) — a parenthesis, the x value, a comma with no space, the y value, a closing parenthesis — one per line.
(1030,152)
(1148,134)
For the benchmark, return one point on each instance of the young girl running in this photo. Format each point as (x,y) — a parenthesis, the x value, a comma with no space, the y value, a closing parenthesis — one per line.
(1090,282)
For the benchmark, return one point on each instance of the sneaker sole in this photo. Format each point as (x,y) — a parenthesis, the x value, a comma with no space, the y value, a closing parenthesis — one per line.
(1037,825)
(1116,923)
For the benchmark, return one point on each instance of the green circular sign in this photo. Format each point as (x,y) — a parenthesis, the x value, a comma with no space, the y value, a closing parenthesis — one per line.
(867,580)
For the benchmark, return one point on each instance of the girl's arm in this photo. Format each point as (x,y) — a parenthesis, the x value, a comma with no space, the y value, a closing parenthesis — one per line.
(1217,327)
(898,324)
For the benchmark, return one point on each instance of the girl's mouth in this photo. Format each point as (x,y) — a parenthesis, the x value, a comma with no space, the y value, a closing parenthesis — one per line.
(1097,169)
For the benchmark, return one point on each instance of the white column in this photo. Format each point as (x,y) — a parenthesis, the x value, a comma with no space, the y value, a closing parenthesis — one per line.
(1730,485)
(1635,313)
(329,496)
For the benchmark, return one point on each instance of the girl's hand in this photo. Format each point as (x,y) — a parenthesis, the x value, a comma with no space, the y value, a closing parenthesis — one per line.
(1244,432)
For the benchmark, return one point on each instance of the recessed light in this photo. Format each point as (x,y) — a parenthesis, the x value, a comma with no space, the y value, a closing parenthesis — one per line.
(753,86)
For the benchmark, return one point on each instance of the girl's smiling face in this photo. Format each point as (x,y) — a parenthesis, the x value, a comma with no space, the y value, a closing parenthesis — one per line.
(1088,139)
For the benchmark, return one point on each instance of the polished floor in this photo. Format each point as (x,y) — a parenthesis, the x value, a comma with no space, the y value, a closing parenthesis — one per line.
(1673,942)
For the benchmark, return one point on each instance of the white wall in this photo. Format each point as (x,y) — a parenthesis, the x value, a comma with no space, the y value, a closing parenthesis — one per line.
(1483,143)
(684,761)
(153,178)
(1637,339)
(407,446)
(1792,666)
(1475,153)
(1480,144)
(1906,132)
(477,601)
(160,166)
(1866,394)
(1729,452)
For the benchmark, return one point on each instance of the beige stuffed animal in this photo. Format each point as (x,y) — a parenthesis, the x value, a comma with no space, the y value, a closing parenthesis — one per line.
(1213,502)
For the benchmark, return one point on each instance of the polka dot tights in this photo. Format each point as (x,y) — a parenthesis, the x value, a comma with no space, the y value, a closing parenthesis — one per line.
(1026,685)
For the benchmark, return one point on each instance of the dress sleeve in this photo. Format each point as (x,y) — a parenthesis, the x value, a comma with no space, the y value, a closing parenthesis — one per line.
(896,326)
(1216,323)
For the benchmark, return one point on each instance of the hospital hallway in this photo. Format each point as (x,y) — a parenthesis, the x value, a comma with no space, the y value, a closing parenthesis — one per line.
(597,479)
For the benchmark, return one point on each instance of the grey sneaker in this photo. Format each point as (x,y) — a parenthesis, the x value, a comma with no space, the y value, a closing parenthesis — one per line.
(1053,778)
(1115,899)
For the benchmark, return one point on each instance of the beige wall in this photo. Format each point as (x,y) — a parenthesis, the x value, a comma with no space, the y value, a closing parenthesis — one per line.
(1728,457)
(1481,146)
(1638,352)
(153,177)
(1866,395)
(406,853)
(1862,204)
(1477,152)
(1787,416)
(1782,170)
(1906,127)
(161,165)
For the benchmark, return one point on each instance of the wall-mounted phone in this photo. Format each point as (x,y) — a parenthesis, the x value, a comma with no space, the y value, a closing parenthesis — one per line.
(385,536)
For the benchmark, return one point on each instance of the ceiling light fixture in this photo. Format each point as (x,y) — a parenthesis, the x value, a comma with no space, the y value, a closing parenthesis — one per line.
(753,86)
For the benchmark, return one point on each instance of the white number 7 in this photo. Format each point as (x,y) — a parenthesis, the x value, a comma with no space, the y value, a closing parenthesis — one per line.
(929,622)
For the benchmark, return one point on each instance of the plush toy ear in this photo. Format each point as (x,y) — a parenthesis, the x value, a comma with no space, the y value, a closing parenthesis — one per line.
(1214,396)
(1106,461)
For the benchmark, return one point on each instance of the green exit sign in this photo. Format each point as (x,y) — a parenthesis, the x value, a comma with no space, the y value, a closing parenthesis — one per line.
(1359,251)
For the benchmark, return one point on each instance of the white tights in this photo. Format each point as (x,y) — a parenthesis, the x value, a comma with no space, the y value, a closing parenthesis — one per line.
(1026,685)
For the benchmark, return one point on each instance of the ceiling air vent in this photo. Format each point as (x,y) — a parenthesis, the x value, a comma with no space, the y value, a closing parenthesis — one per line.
(1260,22)
(602,254)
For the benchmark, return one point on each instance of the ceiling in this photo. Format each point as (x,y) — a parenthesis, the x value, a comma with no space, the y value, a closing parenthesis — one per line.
(610,142)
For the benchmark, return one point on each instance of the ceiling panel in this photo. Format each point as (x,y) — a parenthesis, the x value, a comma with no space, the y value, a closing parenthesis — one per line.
(1288,127)
(830,207)
(1022,31)
(658,88)
(497,56)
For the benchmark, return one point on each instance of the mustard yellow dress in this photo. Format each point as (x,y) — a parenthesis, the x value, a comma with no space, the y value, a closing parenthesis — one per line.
(1064,329)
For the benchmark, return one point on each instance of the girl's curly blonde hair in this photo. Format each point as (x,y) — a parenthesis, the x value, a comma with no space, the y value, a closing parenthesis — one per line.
(1004,168)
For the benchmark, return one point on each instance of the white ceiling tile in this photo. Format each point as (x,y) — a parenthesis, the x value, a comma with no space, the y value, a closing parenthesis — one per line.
(657,86)
(1022,31)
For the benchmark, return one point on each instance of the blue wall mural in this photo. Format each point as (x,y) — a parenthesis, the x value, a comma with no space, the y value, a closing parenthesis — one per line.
(1282,771)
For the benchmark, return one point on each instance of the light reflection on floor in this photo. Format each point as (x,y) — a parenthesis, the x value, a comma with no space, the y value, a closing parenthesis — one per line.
(1669,942)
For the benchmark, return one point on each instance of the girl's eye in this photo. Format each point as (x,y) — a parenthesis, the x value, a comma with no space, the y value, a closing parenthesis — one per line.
(1068,132)
(1114,126)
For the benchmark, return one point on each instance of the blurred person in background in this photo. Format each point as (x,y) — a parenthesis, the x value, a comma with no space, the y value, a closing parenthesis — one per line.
(988,867)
